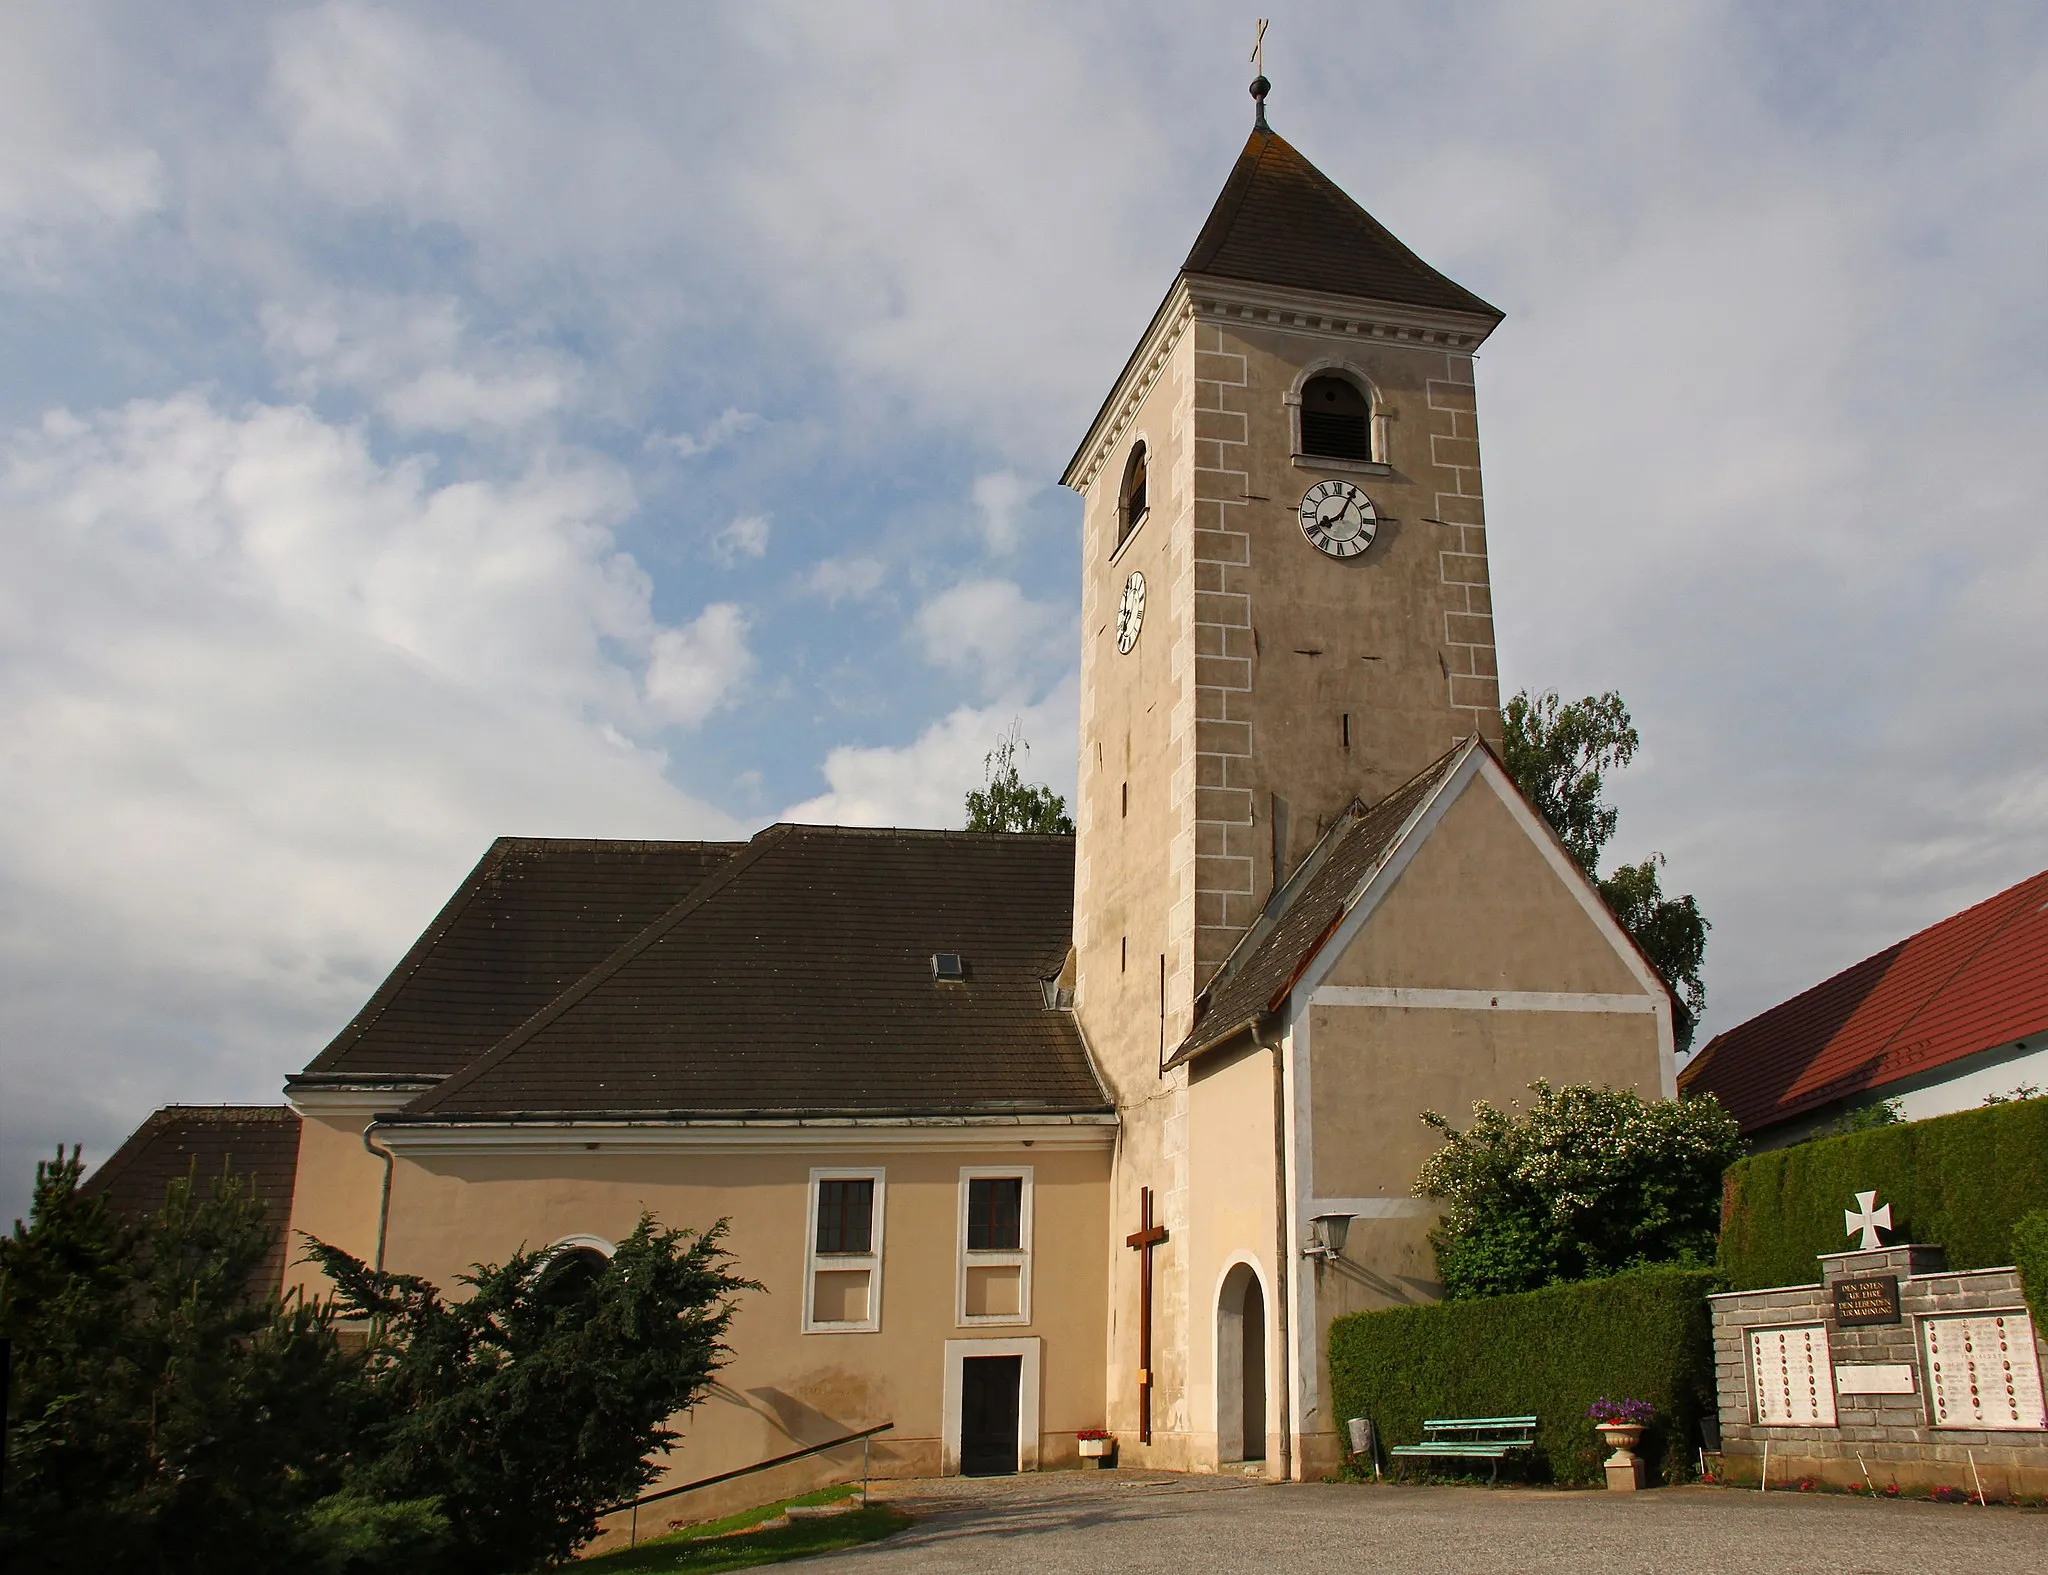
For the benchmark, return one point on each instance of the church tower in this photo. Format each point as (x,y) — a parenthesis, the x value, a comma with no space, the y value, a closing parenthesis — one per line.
(1285,608)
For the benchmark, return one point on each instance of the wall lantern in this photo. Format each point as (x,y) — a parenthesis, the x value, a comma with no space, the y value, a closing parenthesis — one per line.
(1326,1236)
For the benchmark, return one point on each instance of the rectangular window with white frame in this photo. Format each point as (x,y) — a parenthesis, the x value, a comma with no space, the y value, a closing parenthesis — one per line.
(994,1281)
(843,1252)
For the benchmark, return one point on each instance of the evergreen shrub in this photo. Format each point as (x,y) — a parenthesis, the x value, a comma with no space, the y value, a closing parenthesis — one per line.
(2030,1252)
(1962,1181)
(1550,1353)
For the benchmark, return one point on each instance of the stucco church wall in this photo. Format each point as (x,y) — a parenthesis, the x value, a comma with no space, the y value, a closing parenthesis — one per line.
(1374,1071)
(1480,908)
(1134,867)
(784,1388)
(339,1185)
(1125,876)
(1232,1198)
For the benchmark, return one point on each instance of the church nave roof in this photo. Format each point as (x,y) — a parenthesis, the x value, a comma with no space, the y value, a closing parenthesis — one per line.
(797,978)
(533,917)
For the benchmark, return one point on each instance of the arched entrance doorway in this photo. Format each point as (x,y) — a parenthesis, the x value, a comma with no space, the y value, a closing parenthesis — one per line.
(1241,1366)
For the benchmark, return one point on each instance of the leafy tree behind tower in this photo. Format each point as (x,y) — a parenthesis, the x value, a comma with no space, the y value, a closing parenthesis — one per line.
(1559,753)
(1006,802)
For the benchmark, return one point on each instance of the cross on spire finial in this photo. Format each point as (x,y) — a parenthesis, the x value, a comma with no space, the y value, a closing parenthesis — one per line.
(1260,86)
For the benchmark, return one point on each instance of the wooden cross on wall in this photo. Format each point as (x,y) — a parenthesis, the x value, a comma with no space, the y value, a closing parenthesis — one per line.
(1142,1241)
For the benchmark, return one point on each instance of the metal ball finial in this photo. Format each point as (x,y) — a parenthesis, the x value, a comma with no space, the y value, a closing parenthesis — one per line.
(1260,88)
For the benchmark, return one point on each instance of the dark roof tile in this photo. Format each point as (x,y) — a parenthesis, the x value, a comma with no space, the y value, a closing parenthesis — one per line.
(1280,220)
(533,917)
(798,979)
(259,1143)
(1305,912)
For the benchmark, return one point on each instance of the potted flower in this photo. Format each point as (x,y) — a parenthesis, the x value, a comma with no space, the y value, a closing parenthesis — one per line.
(1098,1446)
(1621,1424)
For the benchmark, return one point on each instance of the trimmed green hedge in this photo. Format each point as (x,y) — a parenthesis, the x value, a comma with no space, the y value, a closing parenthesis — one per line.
(2030,1252)
(1962,1181)
(1551,1353)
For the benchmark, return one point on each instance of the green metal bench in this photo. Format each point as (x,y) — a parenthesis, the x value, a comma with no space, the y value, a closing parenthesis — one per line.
(1470,1438)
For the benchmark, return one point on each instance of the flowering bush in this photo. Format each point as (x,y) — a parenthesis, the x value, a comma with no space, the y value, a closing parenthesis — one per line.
(1092,1434)
(1627,1413)
(1583,1184)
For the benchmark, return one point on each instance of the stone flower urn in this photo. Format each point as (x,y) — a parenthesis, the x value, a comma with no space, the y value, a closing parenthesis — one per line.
(1098,1453)
(1624,1466)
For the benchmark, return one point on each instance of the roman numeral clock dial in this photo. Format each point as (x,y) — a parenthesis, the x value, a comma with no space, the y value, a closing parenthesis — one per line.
(1130,613)
(1338,519)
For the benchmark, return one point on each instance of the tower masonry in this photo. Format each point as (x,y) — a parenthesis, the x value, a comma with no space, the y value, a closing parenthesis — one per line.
(1285,610)
(1242,681)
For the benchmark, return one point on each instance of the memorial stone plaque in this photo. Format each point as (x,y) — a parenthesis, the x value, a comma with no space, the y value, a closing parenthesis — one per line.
(1982,1372)
(1794,1378)
(1869,1299)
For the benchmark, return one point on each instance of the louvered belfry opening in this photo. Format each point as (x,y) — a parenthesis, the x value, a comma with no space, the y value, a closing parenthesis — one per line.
(1131,514)
(1336,420)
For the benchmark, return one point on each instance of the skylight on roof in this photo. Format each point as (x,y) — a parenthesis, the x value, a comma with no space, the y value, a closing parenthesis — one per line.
(949,968)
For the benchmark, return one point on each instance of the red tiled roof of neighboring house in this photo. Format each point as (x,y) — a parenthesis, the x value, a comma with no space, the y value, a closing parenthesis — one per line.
(1973,982)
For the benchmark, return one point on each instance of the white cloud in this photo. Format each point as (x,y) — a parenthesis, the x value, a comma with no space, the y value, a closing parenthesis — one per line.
(991,631)
(721,430)
(745,537)
(844,579)
(419,363)
(693,670)
(1761,429)
(1001,496)
(66,161)
(263,698)
(925,782)
(382,110)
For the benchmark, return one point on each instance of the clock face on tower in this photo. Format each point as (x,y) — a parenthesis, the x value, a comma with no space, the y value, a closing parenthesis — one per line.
(1338,519)
(1130,613)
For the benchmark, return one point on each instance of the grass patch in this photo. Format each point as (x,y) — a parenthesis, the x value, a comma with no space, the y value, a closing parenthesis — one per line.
(726,1544)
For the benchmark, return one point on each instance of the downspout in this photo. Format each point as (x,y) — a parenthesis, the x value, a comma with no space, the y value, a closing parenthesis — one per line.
(1282,1240)
(384,1202)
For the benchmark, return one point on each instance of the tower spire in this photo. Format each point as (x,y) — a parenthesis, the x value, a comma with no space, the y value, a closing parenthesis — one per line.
(1260,86)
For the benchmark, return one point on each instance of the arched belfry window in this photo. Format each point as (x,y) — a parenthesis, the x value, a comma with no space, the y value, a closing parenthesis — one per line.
(1130,504)
(1336,419)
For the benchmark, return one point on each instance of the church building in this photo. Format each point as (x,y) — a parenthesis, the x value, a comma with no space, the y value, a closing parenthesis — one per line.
(1028,1135)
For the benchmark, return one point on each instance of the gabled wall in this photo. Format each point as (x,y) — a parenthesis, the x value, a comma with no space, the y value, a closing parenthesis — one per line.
(1480,961)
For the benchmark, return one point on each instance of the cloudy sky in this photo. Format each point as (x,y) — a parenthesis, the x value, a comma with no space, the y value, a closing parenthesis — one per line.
(428,422)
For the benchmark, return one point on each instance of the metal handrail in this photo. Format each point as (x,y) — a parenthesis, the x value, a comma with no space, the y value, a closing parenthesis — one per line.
(747,1471)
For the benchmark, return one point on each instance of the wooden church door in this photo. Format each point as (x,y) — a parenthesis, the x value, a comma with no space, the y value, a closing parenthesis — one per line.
(989,1392)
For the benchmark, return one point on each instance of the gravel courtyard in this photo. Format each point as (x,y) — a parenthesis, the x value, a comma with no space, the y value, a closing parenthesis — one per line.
(1130,1523)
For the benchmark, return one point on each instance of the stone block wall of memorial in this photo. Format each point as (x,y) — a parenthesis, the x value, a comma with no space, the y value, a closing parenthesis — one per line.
(1892,1368)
